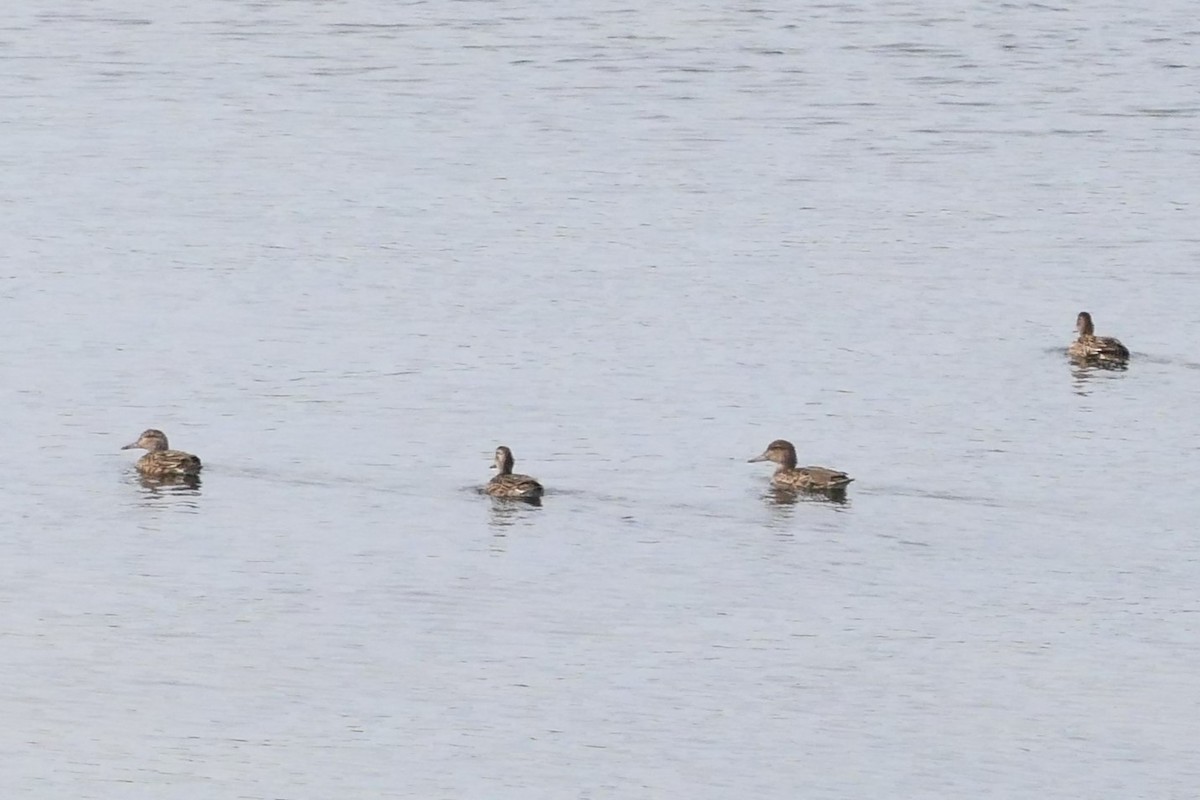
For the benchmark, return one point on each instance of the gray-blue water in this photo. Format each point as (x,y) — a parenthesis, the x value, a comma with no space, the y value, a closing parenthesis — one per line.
(341,250)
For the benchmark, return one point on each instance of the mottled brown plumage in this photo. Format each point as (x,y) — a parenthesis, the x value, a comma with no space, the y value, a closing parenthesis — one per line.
(789,476)
(510,485)
(161,461)
(1090,347)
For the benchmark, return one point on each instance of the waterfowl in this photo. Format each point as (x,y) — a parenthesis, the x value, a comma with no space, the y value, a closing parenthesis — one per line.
(508,484)
(161,461)
(1090,347)
(789,476)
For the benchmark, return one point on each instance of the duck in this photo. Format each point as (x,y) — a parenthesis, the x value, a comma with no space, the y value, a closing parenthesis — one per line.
(161,461)
(789,476)
(1090,347)
(508,484)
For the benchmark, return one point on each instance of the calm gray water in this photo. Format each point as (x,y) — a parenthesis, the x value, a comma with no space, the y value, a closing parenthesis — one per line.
(341,250)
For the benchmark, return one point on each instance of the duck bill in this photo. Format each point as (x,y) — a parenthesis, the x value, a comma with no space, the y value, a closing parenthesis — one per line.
(130,446)
(763,457)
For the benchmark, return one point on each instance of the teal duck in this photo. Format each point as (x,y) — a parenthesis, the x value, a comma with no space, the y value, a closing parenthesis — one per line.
(161,461)
(789,476)
(508,484)
(1090,347)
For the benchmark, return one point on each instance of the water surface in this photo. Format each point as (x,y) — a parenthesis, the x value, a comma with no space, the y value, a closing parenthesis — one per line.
(343,250)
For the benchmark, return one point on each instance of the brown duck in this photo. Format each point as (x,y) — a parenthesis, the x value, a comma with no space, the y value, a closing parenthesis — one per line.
(161,461)
(1090,347)
(508,484)
(789,476)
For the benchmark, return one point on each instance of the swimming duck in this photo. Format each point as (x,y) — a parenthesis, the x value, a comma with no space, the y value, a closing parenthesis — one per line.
(789,476)
(161,461)
(510,485)
(1090,347)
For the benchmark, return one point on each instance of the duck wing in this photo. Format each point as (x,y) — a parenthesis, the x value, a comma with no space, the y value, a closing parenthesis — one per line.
(1108,347)
(514,485)
(175,462)
(1102,348)
(825,478)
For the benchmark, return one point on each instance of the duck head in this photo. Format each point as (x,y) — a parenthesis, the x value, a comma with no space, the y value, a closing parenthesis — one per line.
(151,439)
(504,461)
(781,452)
